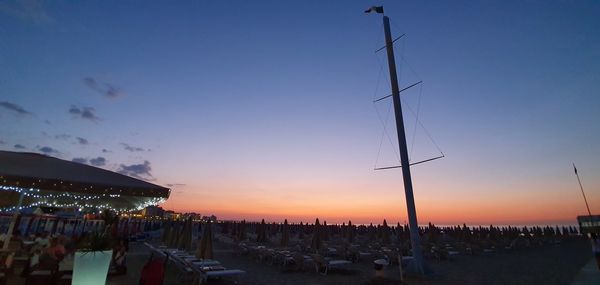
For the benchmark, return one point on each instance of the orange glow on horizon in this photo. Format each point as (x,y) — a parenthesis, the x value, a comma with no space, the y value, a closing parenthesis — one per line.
(525,208)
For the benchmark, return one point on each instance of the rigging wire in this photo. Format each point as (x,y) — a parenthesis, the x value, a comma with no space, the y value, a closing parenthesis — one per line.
(424,129)
(414,135)
(384,122)
(415,114)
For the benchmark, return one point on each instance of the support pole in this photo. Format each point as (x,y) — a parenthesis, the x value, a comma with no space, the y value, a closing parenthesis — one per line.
(408,189)
(582,193)
(11,227)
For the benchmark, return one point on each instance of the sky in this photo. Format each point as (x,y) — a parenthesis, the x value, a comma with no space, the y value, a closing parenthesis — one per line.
(264,109)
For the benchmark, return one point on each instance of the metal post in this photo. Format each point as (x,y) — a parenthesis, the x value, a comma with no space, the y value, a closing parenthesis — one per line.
(410,200)
(11,227)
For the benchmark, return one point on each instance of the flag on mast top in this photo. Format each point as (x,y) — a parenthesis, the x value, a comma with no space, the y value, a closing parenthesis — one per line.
(376,9)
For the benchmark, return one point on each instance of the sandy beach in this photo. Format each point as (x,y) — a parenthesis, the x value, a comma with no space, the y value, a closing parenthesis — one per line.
(547,264)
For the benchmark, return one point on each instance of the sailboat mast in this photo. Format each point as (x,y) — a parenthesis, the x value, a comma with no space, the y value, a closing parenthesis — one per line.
(408,189)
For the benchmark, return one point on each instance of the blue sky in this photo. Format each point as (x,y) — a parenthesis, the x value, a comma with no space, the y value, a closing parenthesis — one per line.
(267,102)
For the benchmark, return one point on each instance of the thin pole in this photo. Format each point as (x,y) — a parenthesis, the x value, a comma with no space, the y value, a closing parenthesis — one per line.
(582,193)
(11,227)
(408,189)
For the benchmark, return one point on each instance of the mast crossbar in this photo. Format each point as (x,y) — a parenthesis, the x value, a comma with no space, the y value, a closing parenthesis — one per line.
(419,162)
(381,48)
(404,89)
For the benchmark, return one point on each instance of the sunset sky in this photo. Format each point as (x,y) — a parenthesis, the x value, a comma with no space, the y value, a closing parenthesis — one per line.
(263,109)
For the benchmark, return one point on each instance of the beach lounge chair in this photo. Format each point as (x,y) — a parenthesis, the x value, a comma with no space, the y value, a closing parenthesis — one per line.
(206,262)
(220,273)
(296,261)
(323,266)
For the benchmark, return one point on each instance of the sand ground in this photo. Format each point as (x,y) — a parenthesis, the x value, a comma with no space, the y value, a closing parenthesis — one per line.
(549,265)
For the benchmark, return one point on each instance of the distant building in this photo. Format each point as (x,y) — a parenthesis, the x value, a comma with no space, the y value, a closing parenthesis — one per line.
(589,224)
(153,212)
(211,218)
(169,215)
(192,215)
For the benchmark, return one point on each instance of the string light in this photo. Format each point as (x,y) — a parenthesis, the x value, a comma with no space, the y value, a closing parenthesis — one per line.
(79,201)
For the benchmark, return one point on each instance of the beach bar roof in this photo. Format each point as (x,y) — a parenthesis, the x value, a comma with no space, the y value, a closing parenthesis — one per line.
(53,182)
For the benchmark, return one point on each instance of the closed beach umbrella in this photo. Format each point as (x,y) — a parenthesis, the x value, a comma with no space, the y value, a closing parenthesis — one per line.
(372,232)
(185,241)
(138,227)
(385,233)
(316,239)
(242,231)
(126,228)
(166,231)
(285,234)
(205,249)
(263,231)
(301,232)
(114,228)
(325,231)
(173,233)
(350,232)
(181,236)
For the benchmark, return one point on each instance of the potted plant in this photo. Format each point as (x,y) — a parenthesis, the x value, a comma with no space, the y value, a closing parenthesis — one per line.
(92,258)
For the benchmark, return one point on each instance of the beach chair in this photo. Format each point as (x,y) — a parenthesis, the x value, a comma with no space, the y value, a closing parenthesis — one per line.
(295,261)
(43,273)
(153,272)
(323,266)
(219,272)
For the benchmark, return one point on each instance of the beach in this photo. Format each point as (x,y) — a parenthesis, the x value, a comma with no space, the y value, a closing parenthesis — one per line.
(546,264)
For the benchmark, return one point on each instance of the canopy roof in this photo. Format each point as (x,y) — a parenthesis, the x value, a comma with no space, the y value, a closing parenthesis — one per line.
(42,177)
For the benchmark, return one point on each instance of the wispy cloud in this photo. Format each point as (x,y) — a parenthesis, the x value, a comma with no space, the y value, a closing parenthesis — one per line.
(140,171)
(175,184)
(19,146)
(106,89)
(87,113)
(27,10)
(48,150)
(80,160)
(81,140)
(2,142)
(105,150)
(62,137)
(15,108)
(132,148)
(98,161)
